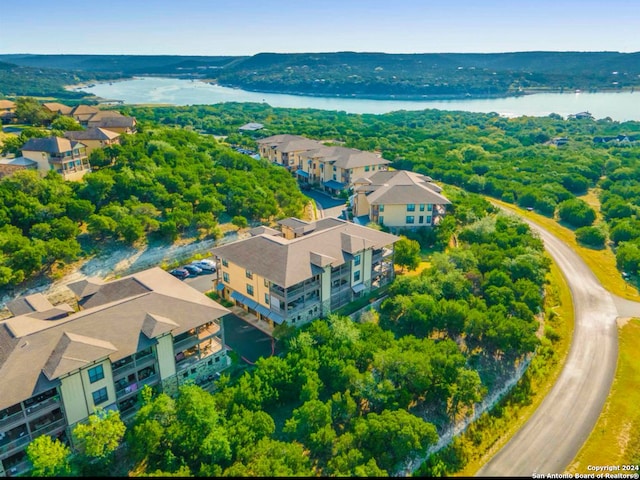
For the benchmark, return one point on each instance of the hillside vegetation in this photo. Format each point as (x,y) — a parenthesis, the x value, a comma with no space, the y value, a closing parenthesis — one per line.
(376,75)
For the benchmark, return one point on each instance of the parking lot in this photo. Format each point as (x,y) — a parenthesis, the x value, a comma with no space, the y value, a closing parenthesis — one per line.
(241,337)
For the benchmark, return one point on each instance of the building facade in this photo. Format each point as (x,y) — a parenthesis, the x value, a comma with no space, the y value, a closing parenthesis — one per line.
(57,365)
(398,199)
(304,271)
(67,157)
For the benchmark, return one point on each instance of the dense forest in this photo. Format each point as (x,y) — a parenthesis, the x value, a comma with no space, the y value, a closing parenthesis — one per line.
(374,75)
(349,398)
(161,183)
(517,160)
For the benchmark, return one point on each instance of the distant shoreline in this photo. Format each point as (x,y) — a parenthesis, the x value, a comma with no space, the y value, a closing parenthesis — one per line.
(381,97)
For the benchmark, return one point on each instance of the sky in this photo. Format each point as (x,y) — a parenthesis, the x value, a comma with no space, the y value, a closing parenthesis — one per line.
(247,27)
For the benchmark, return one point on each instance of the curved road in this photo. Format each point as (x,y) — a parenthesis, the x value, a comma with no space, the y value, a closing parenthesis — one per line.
(552,437)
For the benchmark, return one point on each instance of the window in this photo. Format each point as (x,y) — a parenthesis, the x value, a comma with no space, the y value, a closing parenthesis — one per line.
(266,298)
(422,207)
(266,283)
(96,373)
(381,220)
(429,207)
(429,219)
(249,274)
(411,207)
(356,276)
(225,263)
(356,260)
(100,396)
(367,168)
(334,168)
(421,219)
(411,219)
(250,289)
(225,277)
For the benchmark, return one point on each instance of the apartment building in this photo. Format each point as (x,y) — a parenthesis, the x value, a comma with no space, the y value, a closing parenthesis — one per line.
(398,199)
(285,149)
(305,270)
(335,167)
(58,363)
(67,157)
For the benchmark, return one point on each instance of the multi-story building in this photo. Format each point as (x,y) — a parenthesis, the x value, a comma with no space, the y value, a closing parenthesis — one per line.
(305,271)
(58,364)
(67,157)
(335,168)
(332,167)
(94,137)
(398,199)
(284,149)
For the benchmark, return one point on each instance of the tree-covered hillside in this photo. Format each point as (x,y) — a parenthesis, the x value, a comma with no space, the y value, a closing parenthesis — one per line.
(374,74)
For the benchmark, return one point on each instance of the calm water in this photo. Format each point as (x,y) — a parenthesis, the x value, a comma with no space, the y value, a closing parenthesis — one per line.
(618,106)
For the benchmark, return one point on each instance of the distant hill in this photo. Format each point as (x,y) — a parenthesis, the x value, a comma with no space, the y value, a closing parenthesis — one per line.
(374,74)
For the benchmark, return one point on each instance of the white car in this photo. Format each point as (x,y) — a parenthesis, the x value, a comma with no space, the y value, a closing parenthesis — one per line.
(205,264)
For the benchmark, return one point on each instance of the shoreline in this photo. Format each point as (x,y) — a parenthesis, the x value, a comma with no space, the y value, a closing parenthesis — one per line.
(356,96)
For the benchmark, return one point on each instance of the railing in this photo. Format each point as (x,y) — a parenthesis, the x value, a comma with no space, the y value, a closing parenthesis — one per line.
(12,418)
(18,468)
(55,400)
(49,427)
(186,343)
(18,442)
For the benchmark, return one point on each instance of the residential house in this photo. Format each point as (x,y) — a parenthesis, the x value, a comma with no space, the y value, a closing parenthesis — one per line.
(7,111)
(94,137)
(82,113)
(284,149)
(67,157)
(58,365)
(10,165)
(57,108)
(114,121)
(398,199)
(306,271)
(335,167)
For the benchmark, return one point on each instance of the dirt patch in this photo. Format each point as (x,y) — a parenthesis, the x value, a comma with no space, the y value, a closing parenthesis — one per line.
(115,263)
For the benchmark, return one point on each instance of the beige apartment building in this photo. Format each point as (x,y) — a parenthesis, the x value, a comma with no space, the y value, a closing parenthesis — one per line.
(59,363)
(67,157)
(305,270)
(284,149)
(398,199)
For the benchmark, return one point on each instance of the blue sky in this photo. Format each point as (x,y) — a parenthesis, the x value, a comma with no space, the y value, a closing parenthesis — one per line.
(247,27)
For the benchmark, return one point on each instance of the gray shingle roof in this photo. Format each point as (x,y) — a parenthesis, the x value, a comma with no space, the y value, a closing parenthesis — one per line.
(344,157)
(288,262)
(92,133)
(30,346)
(401,187)
(290,143)
(50,145)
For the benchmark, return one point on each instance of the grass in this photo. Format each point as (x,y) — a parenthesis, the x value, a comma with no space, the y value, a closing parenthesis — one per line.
(601,262)
(544,369)
(614,440)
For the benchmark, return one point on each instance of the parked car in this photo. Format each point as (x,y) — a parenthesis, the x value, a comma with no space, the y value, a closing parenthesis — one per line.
(207,265)
(192,269)
(180,273)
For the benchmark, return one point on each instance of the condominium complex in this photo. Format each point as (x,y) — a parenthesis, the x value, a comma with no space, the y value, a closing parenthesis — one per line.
(59,363)
(305,270)
(398,199)
(332,167)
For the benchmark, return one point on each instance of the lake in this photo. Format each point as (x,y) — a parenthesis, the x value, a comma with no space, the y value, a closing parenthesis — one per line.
(621,106)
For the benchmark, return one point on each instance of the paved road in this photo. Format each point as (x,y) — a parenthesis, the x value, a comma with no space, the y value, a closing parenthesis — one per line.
(327,205)
(551,438)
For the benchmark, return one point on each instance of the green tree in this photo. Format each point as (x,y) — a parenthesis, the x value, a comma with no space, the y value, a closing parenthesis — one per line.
(591,236)
(407,253)
(101,435)
(49,457)
(64,124)
(576,212)
(29,110)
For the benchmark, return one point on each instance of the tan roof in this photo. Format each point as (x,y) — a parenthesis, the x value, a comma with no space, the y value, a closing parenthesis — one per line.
(99,115)
(112,122)
(56,107)
(401,187)
(344,157)
(114,324)
(92,133)
(7,104)
(290,143)
(84,110)
(29,304)
(50,145)
(288,262)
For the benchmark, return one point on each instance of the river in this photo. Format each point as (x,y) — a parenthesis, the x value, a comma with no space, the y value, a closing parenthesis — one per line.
(621,106)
